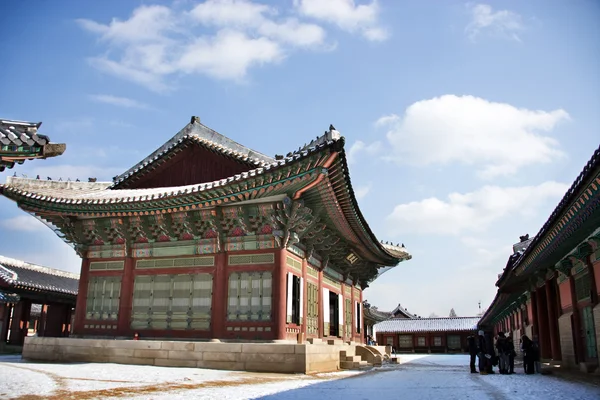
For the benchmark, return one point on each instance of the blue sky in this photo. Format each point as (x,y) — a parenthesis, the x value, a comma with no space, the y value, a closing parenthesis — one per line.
(465,123)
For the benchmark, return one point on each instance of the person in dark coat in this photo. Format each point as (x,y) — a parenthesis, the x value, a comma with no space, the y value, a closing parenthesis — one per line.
(482,353)
(511,354)
(528,355)
(472,353)
(502,347)
(491,354)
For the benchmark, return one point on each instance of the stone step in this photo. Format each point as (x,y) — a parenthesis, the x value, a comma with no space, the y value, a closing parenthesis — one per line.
(346,353)
(353,358)
(354,365)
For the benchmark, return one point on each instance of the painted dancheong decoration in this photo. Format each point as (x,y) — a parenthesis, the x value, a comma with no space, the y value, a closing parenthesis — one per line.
(206,238)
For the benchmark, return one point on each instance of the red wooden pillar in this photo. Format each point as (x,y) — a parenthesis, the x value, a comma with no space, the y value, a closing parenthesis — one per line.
(534,322)
(579,349)
(20,322)
(126,298)
(280,301)
(592,276)
(81,297)
(543,326)
(553,319)
(219,299)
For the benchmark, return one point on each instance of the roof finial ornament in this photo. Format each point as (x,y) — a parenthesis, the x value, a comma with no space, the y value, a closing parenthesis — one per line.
(15,175)
(332,128)
(194,119)
(49,178)
(402,244)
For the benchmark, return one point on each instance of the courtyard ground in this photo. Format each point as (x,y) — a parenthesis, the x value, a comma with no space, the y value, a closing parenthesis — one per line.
(417,377)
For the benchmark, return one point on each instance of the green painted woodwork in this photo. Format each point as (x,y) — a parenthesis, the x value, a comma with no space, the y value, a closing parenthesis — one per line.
(102,302)
(249,296)
(172,302)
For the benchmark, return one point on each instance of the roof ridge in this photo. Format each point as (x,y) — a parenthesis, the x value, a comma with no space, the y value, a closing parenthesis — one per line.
(54,184)
(8,262)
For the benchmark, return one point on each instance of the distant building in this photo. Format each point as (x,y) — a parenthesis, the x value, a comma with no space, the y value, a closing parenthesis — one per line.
(34,299)
(426,335)
(20,141)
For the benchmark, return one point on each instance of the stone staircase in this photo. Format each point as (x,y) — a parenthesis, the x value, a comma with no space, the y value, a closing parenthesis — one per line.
(351,361)
(351,355)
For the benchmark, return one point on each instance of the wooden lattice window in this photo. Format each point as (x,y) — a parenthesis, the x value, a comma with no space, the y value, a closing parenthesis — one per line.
(103,296)
(405,341)
(249,296)
(312,312)
(348,317)
(454,342)
(172,302)
(437,341)
(421,341)
(583,288)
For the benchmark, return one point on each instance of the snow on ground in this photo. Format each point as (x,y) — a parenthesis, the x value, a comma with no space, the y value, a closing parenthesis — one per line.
(417,377)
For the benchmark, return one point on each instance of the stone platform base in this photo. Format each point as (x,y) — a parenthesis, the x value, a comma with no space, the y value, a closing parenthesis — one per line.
(257,357)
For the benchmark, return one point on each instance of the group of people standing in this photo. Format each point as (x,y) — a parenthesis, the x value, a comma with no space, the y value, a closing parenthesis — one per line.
(501,352)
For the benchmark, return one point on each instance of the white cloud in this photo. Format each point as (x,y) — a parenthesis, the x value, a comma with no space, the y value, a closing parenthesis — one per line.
(474,211)
(361,147)
(220,39)
(119,101)
(502,23)
(387,120)
(24,223)
(497,138)
(228,55)
(361,191)
(346,15)
(245,15)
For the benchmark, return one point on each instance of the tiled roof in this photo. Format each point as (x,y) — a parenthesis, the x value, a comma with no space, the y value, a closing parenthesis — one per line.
(102,193)
(402,310)
(95,196)
(20,274)
(203,135)
(21,133)
(20,141)
(374,314)
(407,325)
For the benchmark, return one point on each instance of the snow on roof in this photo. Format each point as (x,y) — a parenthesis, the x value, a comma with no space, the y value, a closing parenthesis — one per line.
(20,273)
(401,325)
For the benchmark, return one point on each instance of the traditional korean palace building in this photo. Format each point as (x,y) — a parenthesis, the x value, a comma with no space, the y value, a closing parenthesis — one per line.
(206,238)
(19,141)
(550,285)
(372,316)
(426,335)
(50,291)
